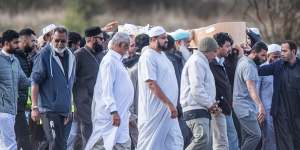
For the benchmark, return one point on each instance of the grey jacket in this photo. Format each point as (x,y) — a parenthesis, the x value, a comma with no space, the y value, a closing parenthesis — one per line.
(11,78)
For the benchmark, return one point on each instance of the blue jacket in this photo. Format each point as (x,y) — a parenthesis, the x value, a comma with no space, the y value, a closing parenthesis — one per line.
(12,78)
(275,69)
(55,90)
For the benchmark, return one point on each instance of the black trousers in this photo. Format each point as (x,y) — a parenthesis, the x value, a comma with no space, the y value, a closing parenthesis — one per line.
(85,131)
(287,133)
(22,132)
(54,129)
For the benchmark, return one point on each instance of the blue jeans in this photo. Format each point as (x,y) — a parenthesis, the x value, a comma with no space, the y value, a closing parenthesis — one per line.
(232,134)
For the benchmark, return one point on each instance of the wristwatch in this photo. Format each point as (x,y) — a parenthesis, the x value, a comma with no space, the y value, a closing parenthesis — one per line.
(34,108)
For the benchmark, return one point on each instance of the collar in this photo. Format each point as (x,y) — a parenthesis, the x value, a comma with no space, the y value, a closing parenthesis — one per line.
(90,49)
(5,53)
(201,55)
(115,54)
(220,60)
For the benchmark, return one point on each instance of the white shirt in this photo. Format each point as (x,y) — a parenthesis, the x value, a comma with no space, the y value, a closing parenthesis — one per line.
(113,92)
(157,67)
(198,89)
(156,127)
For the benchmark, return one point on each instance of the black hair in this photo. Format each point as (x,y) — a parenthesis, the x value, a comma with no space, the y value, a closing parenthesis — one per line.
(73,38)
(141,41)
(82,42)
(171,43)
(61,30)
(254,38)
(9,35)
(259,46)
(222,37)
(0,40)
(292,45)
(26,32)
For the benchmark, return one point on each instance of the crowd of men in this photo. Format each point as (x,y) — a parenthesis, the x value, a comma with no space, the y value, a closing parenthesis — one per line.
(120,90)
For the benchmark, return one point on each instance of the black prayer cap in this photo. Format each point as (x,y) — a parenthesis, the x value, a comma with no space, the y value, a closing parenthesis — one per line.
(92,31)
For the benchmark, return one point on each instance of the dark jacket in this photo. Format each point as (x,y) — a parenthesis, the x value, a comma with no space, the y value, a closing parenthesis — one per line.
(55,89)
(12,78)
(276,69)
(223,86)
(87,64)
(26,62)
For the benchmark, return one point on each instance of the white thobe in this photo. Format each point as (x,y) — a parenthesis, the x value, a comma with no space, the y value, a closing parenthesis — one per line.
(113,91)
(157,130)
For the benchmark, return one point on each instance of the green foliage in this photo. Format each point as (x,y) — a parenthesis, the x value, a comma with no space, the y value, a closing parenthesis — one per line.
(74,19)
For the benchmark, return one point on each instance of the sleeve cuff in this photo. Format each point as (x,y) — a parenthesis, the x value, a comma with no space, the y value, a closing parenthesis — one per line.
(113,108)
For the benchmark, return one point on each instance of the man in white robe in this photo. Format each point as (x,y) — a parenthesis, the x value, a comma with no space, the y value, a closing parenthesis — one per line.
(158,94)
(113,95)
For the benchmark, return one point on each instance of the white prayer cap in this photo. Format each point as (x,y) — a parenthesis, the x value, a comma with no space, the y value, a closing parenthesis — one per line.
(274,48)
(156,31)
(48,28)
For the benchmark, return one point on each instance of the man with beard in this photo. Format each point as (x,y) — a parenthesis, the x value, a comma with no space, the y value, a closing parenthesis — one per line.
(25,56)
(177,60)
(265,92)
(12,78)
(158,95)
(88,59)
(285,101)
(245,96)
(182,42)
(52,77)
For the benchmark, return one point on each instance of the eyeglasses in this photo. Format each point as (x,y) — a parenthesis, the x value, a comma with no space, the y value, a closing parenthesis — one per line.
(58,40)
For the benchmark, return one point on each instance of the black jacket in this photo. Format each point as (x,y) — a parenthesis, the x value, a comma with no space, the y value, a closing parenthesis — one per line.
(87,66)
(26,62)
(223,87)
(277,69)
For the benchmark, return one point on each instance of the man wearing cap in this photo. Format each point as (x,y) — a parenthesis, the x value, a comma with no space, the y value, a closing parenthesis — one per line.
(53,76)
(285,99)
(265,89)
(182,42)
(113,95)
(47,33)
(158,95)
(198,93)
(88,59)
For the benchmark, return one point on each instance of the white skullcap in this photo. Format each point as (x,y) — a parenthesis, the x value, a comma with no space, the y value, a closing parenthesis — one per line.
(156,31)
(48,28)
(274,48)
